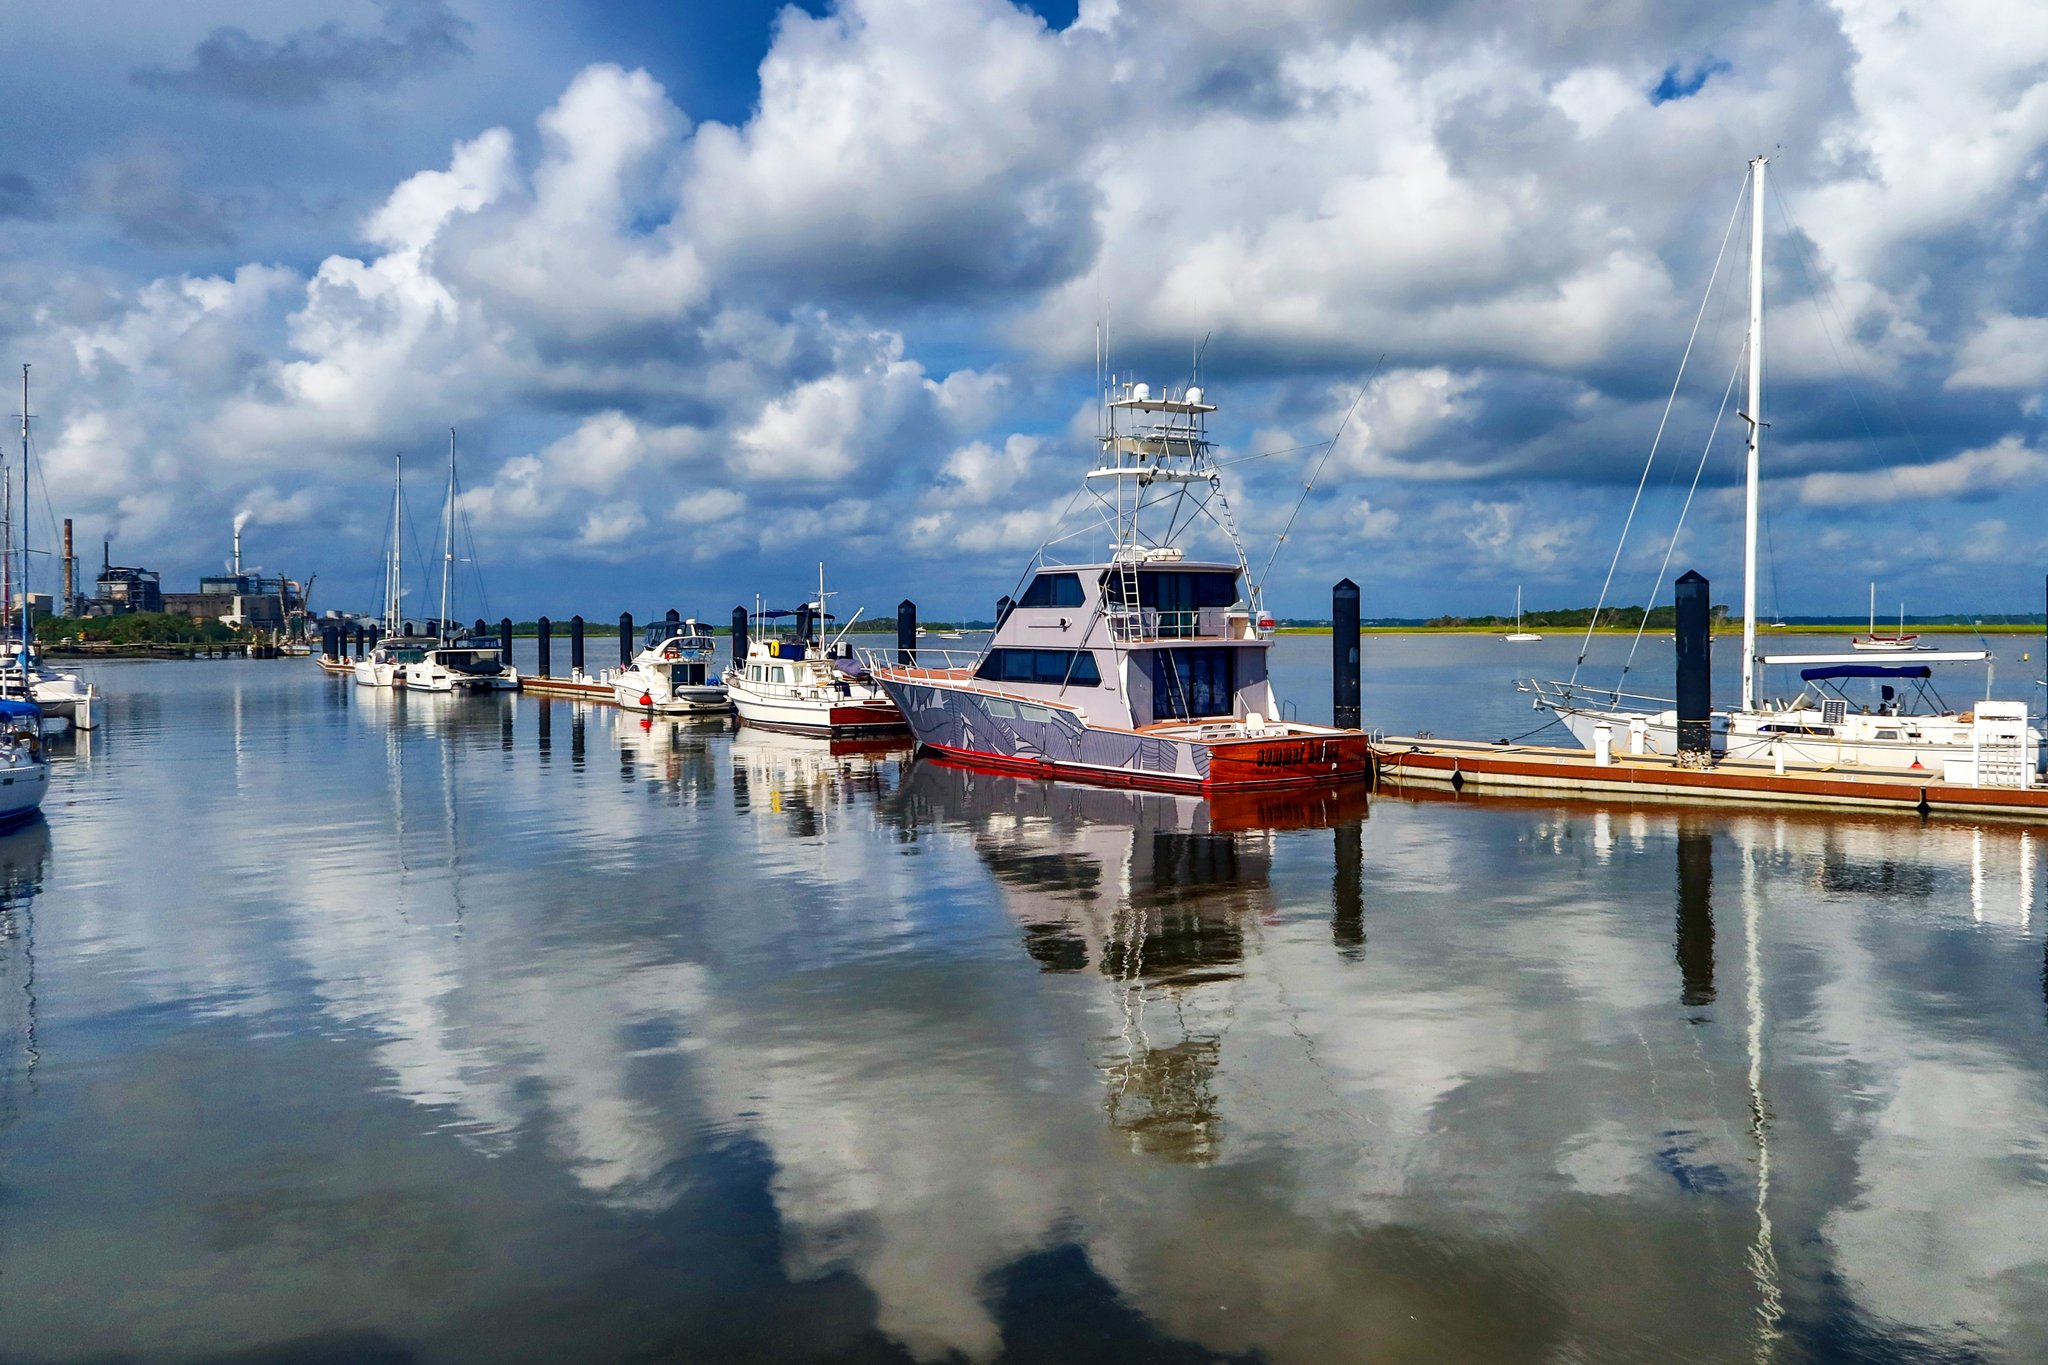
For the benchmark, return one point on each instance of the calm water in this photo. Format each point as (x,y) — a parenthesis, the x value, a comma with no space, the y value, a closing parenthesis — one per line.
(335,1027)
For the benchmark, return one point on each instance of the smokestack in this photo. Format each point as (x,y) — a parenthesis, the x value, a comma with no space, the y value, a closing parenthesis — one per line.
(70,570)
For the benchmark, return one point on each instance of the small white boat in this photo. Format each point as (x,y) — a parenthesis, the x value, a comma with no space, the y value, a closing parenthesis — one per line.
(801,684)
(384,665)
(24,769)
(63,697)
(1520,636)
(676,674)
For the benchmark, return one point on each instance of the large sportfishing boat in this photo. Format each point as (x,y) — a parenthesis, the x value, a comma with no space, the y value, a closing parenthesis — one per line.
(1988,744)
(801,683)
(1144,668)
(674,674)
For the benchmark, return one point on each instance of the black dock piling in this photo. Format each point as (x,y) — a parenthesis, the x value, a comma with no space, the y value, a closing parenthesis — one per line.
(543,629)
(575,645)
(330,642)
(674,621)
(739,635)
(1346,702)
(906,632)
(625,638)
(803,623)
(1695,665)
(1003,606)
(505,638)
(409,628)
(482,628)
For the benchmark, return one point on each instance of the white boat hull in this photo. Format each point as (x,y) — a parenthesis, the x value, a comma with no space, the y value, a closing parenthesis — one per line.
(22,788)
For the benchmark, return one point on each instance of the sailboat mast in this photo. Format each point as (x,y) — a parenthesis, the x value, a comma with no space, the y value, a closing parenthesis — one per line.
(448,536)
(1756,428)
(28,609)
(394,576)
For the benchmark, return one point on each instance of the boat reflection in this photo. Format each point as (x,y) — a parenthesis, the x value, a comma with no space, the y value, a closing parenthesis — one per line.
(675,754)
(1156,893)
(807,778)
(24,855)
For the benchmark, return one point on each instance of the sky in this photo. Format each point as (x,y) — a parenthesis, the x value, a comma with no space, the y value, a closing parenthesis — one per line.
(712,292)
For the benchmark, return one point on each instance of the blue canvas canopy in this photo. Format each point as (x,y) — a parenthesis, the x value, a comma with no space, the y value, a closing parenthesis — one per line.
(1866,671)
(20,710)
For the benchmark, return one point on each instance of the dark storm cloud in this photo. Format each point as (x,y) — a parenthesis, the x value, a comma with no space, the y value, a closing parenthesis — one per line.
(298,69)
(18,196)
(144,192)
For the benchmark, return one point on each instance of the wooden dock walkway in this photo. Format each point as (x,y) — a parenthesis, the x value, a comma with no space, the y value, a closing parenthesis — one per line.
(1540,770)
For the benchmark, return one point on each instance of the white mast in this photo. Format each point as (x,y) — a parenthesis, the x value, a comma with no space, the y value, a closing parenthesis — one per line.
(27,607)
(1755,416)
(394,585)
(448,536)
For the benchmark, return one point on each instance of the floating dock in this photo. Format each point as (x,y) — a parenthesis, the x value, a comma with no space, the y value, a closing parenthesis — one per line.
(1537,770)
(578,689)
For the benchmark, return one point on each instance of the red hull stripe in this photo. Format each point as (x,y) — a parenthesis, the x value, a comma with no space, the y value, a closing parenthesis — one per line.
(1235,774)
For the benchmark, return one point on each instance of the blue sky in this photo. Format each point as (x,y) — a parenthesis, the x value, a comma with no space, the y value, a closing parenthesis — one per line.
(713,291)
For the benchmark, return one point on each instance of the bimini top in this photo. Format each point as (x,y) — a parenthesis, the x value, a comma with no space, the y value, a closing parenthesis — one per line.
(19,710)
(1866,671)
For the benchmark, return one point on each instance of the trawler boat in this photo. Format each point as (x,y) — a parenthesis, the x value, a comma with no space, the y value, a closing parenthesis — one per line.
(1143,668)
(1990,744)
(675,674)
(800,683)
(24,768)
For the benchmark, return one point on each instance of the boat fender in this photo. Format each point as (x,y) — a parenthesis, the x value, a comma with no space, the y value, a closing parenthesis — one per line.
(647,699)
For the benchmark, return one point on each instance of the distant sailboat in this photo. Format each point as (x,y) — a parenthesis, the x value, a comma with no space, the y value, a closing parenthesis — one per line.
(1520,636)
(1885,644)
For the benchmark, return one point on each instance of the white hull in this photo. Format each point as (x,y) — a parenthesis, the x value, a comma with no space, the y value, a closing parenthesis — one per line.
(370,674)
(687,701)
(22,788)
(862,709)
(431,678)
(1936,745)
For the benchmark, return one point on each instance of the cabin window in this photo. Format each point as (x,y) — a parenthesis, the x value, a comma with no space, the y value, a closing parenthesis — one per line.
(1052,667)
(778,674)
(1053,590)
(1189,683)
(1192,590)
(1887,734)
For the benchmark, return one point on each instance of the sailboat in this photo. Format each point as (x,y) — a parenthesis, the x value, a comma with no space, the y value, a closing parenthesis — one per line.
(1520,636)
(1885,644)
(397,648)
(1822,726)
(456,662)
(63,697)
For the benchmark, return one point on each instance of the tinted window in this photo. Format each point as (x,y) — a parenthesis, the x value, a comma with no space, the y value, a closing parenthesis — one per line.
(1192,682)
(1192,591)
(1053,590)
(1052,667)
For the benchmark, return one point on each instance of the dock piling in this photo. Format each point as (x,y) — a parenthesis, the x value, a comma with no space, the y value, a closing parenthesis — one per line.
(1694,630)
(739,635)
(576,646)
(674,621)
(330,642)
(543,629)
(906,632)
(505,639)
(625,639)
(1346,705)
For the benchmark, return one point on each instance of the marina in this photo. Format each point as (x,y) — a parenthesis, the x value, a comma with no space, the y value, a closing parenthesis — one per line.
(1055,1036)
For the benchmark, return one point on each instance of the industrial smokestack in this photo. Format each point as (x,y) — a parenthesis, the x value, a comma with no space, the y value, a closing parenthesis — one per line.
(241,520)
(70,571)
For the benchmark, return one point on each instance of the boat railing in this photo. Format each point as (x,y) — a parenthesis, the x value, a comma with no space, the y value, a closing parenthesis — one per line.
(1151,623)
(1548,693)
(925,658)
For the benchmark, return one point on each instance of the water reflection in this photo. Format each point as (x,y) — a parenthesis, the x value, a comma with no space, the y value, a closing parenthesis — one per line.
(24,853)
(758,1048)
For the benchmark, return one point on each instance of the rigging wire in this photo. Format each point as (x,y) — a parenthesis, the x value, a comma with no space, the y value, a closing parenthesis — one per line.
(1586,645)
(1672,547)
(1317,472)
